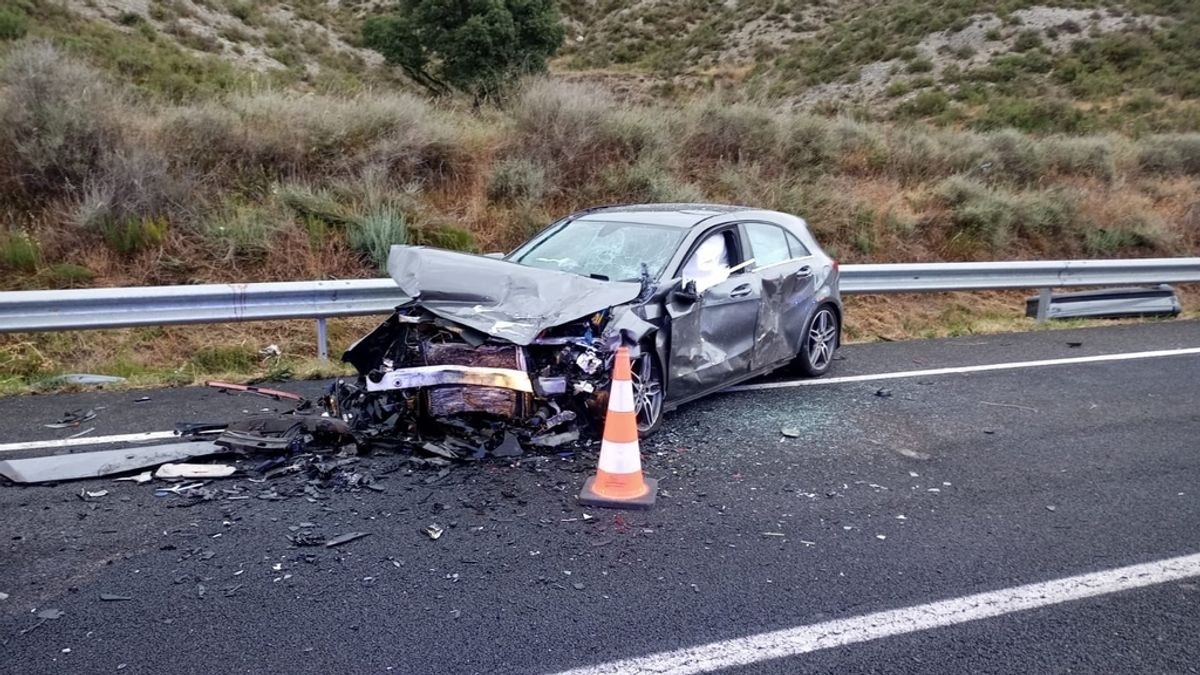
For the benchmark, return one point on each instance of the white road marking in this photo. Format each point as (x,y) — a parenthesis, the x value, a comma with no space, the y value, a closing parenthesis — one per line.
(87,440)
(1016,365)
(841,632)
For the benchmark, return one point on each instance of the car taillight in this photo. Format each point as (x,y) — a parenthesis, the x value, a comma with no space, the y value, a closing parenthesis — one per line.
(835,266)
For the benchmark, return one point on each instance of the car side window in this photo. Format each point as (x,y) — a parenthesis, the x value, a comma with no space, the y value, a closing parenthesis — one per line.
(768,244)
(711,261)
(799,250)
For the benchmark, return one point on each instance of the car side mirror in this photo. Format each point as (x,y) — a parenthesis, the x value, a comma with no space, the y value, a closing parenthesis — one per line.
(686,294)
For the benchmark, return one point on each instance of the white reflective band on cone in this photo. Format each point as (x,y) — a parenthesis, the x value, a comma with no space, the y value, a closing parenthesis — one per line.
(620,399)
(619,457)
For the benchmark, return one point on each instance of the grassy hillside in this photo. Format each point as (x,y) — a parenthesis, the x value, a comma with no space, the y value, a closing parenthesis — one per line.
(133,154)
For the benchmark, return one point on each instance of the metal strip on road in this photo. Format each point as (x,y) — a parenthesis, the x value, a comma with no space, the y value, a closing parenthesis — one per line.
(1016,365)
(841,632)
(87,440)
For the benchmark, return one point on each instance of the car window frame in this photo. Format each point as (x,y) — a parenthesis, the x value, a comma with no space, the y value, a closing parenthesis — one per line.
(739,248)
(786,231)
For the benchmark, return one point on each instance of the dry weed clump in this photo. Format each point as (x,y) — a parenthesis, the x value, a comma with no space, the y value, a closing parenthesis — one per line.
(576,133)
(58,121)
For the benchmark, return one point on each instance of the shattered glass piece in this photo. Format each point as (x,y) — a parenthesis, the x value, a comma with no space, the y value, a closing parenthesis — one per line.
(790,432)
(50,614)
(433,531)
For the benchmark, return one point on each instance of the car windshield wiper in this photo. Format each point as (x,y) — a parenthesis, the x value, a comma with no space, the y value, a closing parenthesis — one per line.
(601,277)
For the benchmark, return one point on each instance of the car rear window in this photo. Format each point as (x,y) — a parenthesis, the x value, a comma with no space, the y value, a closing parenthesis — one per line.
(798,250)
(768,243)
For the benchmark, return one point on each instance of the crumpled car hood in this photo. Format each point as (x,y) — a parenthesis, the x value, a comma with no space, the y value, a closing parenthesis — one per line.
(497,297)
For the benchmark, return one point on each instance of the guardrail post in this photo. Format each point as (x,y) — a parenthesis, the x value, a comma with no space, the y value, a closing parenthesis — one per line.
(1043,306)
(322,340)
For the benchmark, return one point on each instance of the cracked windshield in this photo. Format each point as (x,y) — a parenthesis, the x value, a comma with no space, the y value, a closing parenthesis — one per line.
(609,250)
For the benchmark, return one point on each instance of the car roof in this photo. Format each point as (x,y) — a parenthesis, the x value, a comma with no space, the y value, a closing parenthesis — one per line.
(674,215)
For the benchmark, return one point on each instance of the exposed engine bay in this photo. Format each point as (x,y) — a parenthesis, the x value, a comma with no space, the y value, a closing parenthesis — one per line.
(468,365)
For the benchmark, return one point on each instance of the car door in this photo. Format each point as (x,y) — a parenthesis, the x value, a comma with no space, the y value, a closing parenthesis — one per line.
(784,269)
(712,335)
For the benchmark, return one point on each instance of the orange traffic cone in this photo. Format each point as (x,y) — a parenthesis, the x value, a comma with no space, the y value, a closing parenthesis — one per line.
(618,482)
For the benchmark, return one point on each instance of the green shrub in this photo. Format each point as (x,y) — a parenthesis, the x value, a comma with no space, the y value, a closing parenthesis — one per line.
(375,233)
(18,251)
(241,232)
(1027,40)
(442,236)
(807,143)
(648,182)
(224,360)
(731,134)
(925,104)
(1093,157)
(480,48)
(13,23)
(314,204)
(132,235)
(995,216)
(516,180)
(920,65)
(1170,154)
(68,275)
(1140,232)
(57,120)
(576,132)
(1012,156)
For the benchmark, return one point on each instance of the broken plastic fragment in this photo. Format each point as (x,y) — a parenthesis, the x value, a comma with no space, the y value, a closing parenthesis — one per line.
(433,531)
(143,477)
(194,471)
(109,597)
(790,432)
(86,379)
(345,538)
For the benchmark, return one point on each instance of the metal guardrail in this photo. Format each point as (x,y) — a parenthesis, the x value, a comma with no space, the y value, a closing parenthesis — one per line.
(80,309)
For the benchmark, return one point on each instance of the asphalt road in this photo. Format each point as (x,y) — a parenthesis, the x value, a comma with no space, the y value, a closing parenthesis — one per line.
(952,485)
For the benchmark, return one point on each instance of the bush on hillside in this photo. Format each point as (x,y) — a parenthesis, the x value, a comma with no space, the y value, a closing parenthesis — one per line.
(479,46)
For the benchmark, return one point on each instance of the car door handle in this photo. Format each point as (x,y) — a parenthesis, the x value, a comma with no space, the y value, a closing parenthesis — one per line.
(741,291)
(805,271)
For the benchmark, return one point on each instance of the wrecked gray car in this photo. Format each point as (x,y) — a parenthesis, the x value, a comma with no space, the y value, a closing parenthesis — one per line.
(704,296)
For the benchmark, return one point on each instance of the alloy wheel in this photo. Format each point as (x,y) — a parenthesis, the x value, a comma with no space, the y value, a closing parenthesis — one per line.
(822,338)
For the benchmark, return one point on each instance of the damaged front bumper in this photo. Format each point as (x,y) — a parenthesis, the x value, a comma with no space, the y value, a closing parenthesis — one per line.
(432,376)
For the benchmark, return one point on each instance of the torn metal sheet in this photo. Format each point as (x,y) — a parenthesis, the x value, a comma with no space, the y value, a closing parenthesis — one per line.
(102,463)
(497,297)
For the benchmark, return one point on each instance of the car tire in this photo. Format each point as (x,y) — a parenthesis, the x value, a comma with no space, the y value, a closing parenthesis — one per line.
(822,336)
(648,392)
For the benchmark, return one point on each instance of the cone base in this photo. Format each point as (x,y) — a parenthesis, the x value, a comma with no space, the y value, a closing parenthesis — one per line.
(587,497)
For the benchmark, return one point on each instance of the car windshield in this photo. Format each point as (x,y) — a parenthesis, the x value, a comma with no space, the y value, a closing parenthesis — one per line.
(609,250)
